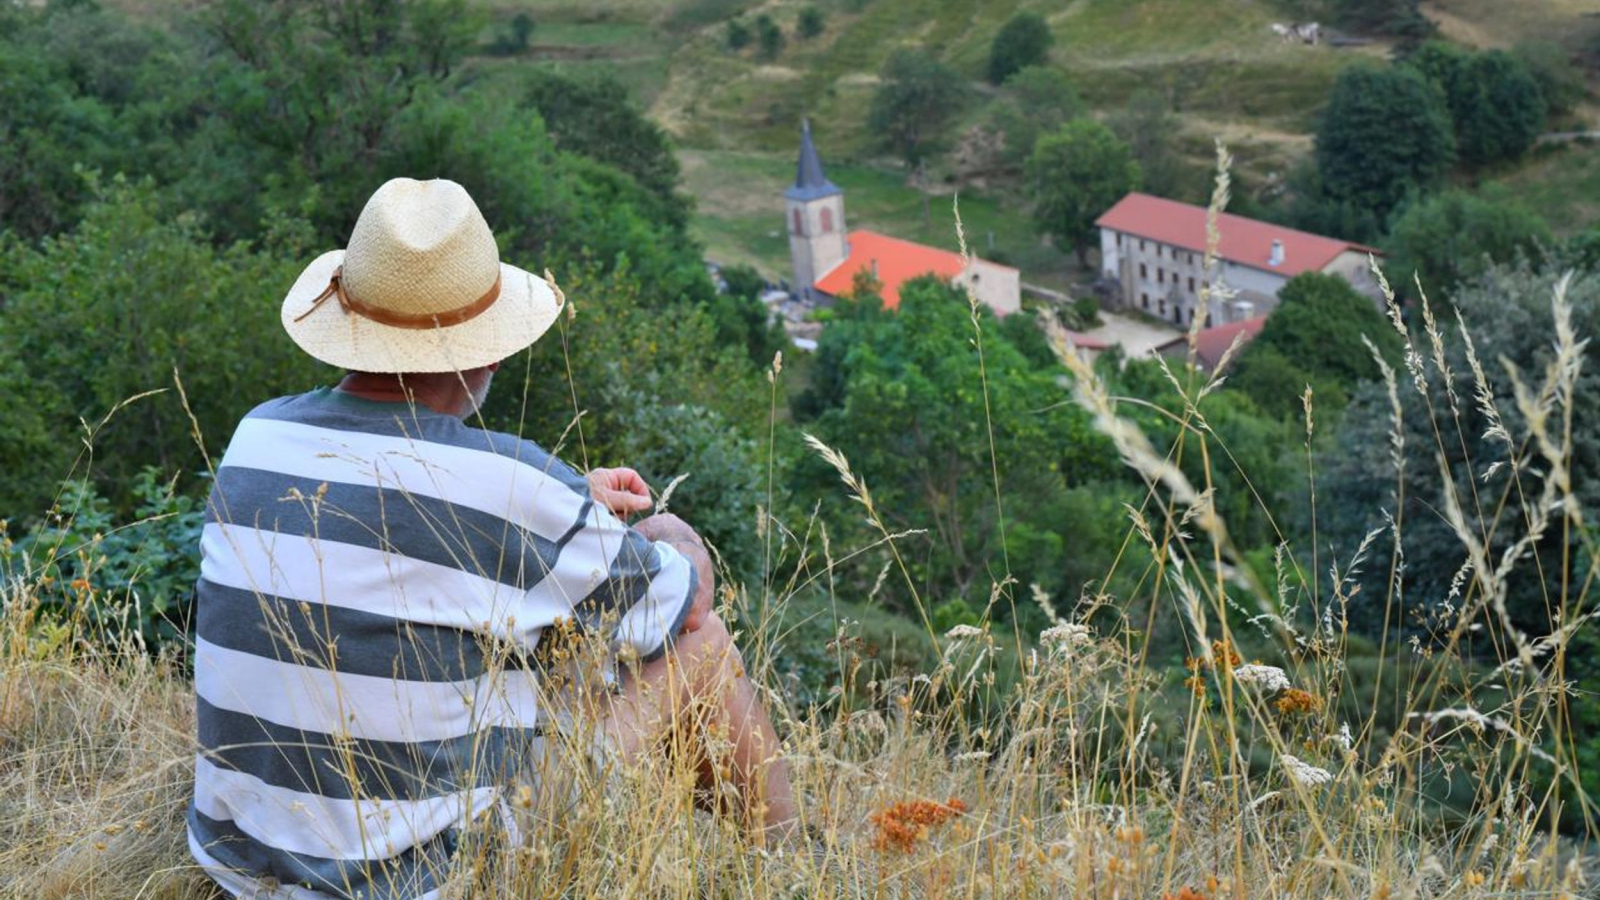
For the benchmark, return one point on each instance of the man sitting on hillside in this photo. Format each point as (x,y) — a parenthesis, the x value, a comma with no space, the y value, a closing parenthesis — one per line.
(376,576)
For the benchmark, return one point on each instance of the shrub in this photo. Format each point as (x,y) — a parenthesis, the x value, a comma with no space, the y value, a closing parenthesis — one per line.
(769,37)
(1385,133)
(738,36)
(811,23)
(1023,41)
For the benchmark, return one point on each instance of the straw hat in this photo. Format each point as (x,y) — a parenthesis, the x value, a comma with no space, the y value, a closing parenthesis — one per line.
(420,289)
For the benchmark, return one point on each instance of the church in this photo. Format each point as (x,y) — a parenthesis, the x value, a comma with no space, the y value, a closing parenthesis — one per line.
(827,258)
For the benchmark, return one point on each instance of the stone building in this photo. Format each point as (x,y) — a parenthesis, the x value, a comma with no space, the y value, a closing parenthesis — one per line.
(1153,250)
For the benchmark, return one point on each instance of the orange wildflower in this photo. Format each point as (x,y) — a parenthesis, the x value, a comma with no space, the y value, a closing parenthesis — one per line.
(1187,893)
(903,825)
(1295,700)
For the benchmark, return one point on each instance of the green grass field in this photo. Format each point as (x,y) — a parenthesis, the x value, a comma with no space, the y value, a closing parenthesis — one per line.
(1562,184)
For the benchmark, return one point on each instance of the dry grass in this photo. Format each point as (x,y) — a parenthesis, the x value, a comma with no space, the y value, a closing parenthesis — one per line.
(940,784)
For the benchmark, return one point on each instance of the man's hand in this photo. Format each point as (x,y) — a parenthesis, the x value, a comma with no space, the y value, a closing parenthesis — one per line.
(669,529)
(620,490)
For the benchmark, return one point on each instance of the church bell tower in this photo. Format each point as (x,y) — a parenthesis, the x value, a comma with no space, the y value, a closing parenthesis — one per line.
(815,218)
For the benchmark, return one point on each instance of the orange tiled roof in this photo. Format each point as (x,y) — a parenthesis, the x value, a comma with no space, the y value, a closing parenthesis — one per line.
(1247,242)
(1211,343)
(898,262)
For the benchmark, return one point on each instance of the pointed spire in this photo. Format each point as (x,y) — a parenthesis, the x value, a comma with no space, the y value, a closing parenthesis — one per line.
(809,182)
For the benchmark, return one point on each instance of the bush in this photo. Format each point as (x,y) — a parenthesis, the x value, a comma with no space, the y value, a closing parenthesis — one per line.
(1495,102)
(122,578)
(738,36)
(769,37)
(811,23)
(1023,41)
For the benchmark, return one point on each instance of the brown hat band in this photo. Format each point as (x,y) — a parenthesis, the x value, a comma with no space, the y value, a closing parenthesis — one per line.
(383,316)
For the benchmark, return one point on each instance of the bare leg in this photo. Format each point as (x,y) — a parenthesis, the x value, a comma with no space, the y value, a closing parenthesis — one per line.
(700,686)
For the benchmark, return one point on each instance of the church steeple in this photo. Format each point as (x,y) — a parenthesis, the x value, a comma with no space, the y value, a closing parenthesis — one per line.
(809,182)
(814,207)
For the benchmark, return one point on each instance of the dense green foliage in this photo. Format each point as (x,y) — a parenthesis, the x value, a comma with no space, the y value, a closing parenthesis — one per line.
(1452,237)
(1148,125)
(1317,336)
(810,23)
(1508,314)
(901,394)
(1037,101)
(912,107)
(1496,104)
(1023,41)
(117,307)
(1385,133)
(1076,174)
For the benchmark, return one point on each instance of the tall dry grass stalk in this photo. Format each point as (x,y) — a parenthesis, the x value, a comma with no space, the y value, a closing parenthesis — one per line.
(1104,773)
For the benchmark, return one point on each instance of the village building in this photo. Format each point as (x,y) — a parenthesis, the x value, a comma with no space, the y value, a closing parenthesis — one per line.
(1212,344)
(1153,250)
(827,259)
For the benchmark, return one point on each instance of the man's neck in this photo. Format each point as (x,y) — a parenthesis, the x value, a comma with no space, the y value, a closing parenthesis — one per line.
(419,390)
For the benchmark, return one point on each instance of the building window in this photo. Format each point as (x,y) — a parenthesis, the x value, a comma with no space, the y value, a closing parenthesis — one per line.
(1144,272)
(1144,299)
(827,220)
(1191,284)
(797,228)
(1119,240)
(1161,307)
(1161,276)
(1141,246)
(1177,314)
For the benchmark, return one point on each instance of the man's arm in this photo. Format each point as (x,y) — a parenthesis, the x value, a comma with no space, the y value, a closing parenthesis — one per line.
(669,529)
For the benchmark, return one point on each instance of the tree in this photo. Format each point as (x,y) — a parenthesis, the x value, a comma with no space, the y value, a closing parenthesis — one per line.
(141,295)
(1560,82)
(1451,238)
(1076,175)
(810,23)
(914,104)
(1315,335)
(1400,18)
(1149,127)
(1023,41)
(738,35)
(592,115)
(901,394)
(1496,104)
(742,320)
(769,37)
(1384,134)
(1508,313)
(1037,100)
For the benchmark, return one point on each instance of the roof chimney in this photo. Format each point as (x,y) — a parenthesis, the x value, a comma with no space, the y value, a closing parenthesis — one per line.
(1276,259)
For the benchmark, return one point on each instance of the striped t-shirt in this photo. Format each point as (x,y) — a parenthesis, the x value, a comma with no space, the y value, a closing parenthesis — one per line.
(371,576)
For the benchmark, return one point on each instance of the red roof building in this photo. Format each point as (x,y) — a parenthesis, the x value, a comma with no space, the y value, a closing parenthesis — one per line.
(827,259)
(1211,344)
(891,262)
(1154,249)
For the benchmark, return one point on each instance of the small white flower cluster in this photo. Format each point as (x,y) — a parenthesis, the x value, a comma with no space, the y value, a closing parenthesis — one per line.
(1067,634)
(1304,773)
(963,631)
(1270,679)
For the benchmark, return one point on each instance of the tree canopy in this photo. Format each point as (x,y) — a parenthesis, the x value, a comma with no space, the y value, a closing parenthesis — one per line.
(914,105)
(1385,133)
(1451,238)
(1496,103)
(1023,41)
(1076,174)
(1314,336)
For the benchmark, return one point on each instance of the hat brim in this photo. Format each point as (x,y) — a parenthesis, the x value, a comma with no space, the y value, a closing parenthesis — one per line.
(525,310)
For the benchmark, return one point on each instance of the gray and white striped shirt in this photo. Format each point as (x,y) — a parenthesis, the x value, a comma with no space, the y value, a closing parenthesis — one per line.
(371,576)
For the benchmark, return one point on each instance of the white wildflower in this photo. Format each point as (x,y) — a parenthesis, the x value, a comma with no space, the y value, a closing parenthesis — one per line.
(1270,679)
(1304,773)
(963,631)
(1067,634)
(1343,738)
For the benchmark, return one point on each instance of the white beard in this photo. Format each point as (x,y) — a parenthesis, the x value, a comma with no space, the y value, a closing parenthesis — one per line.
(478,396)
